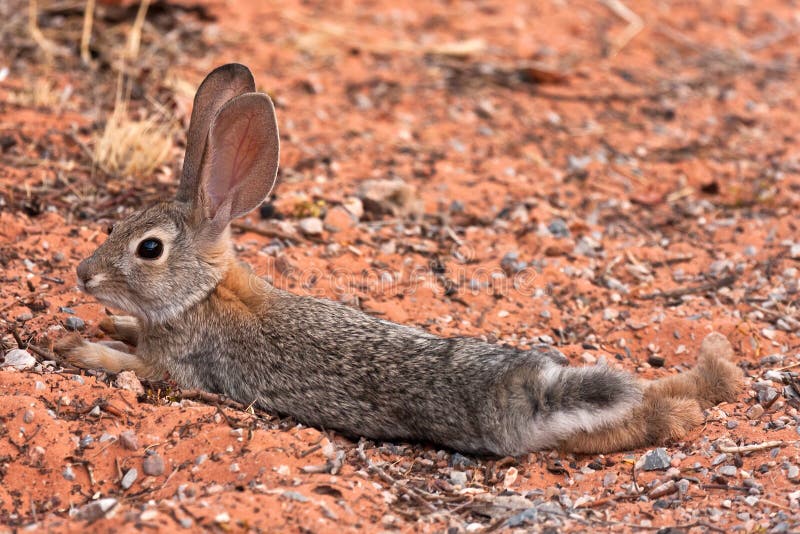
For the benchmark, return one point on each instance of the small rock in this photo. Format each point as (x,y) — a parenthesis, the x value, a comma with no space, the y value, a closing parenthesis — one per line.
(511,264)
(755,411)
(751,500)
(458,478)
(18,359)
(588,358)
(27,417)
(294,496)
(667,488)
(68,473)
(610,314)
(86,440)
(389,197)
(767,396)
(793,473)
(730,425)
(153,465)
(127,380)
(339,218)
(727,470)
(128,440)
(74,323)
(310,226)
(129,478)
(354,206)
(683,486)
(96,509)
(656,460)
(459,460)
(558,228)
(656,360)
(609,479)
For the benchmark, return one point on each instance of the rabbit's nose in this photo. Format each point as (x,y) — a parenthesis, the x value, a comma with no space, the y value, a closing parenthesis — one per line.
(84,272)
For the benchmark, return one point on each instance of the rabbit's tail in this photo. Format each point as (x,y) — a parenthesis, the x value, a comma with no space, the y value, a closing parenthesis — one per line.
(584,399)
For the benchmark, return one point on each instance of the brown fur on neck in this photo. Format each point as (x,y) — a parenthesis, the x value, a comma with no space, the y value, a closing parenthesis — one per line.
(239,287)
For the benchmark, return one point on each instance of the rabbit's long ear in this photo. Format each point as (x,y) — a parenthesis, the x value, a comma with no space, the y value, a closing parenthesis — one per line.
(240,163)
(221,85)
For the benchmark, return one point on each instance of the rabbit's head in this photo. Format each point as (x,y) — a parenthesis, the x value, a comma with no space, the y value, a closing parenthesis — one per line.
(161,260)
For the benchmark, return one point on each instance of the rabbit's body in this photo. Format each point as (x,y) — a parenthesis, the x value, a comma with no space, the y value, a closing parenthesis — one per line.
(210,323)
(335,367)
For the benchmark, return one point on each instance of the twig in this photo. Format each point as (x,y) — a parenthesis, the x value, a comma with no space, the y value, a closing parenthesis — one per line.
(383,475)
(635,23)
(700,288)
(267,232)
(750,448)
(135,37)
(86,32)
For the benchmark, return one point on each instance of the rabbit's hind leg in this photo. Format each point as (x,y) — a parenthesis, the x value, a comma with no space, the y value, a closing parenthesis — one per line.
(655,421)
(122,328)
(715,379)
(81,353)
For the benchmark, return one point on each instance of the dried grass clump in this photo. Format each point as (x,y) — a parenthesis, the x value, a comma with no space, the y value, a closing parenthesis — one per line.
(133,148)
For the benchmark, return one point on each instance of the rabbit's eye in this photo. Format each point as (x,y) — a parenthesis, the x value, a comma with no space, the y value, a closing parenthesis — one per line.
(150,248)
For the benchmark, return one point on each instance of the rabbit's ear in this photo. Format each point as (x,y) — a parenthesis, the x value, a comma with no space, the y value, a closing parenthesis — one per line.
(221,85)
(240,163)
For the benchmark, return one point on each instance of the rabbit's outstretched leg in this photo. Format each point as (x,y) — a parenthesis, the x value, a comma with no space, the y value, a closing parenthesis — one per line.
(670,406)
(715,379)
(654,421)
(86,355)
(122,328)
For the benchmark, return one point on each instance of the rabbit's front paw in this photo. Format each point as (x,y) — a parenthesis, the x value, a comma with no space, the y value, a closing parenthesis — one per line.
(74,350)
(122,328)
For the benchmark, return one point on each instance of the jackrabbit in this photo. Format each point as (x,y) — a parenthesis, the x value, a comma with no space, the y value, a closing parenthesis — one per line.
(204,319)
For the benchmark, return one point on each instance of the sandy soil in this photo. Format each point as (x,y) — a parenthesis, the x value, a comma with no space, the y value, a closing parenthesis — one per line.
(619,198)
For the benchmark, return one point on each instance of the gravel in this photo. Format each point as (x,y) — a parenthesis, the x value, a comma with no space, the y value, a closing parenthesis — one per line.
(153,465)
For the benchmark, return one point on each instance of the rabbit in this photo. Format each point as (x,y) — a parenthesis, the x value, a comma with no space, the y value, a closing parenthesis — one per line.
(207,321)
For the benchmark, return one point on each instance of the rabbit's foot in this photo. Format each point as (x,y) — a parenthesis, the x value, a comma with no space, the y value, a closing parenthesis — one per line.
(720,380)
(81,353)
(715,379)
(122,328)
(655,421)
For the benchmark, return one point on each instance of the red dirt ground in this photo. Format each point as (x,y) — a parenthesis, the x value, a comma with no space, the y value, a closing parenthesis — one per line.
(650,187)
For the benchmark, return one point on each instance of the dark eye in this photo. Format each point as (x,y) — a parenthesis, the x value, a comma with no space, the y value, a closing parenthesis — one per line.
(150,248)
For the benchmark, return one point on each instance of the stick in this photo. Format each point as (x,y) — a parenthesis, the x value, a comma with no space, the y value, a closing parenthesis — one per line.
(383,475)
(86,33)
(135,37)
(682,291)
(635,23)
(750,448)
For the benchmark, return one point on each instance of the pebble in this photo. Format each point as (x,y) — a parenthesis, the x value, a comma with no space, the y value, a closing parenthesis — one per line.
(767,395)
(86,441)
(728,470)
(558,228)
(128,440)
(129,478)
(129,381)
(656,360)
(294,496)
(95,509)
(68,473)
(793,473)
(656,460)
(153,465)
(18,359)
(354,206)
(683,485)
(755,411)
(388,197)
(588,358)
(458,478)
(310,226)
(74,323)
(511,263)
(730,425)
(27,417)
(667,488)
(338,218)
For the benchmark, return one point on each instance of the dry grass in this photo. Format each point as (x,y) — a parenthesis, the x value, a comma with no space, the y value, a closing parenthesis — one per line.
(133,148)
(40,93)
